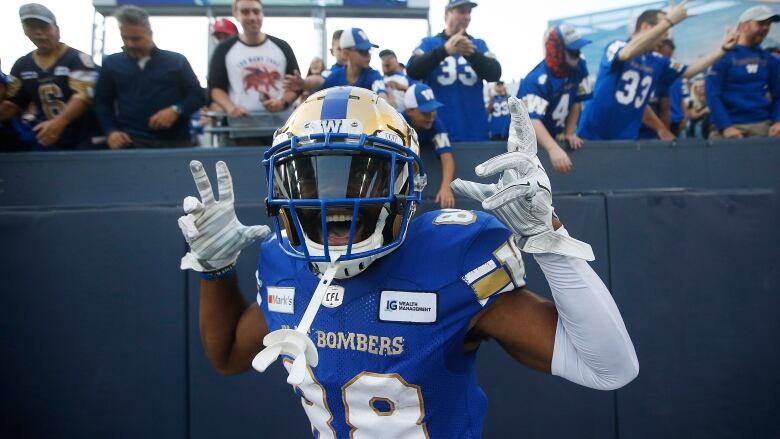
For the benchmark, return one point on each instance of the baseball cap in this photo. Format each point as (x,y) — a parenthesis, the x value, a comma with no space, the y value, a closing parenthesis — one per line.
(759,13)
(455,3)
(224,26)
(571,38)
(35,11)
(356,38)
(420,96)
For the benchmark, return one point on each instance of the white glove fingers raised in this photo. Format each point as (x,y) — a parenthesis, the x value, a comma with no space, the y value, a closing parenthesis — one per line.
(509,194)
(188,228)
(253,233)
(475,191)
(202,182)
(192,205)
(224,182)
(521,133)
(508,160)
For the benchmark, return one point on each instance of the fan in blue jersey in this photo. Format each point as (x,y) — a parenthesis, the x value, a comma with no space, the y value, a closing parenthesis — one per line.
(313,82)
(629,72)
(743,88)
(357,49)
(554,92)
(498,111)
(421,113)
(376,316)
(455,64)
(58,80)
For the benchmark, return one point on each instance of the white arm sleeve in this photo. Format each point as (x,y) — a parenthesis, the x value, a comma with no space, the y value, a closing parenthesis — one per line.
(592,346)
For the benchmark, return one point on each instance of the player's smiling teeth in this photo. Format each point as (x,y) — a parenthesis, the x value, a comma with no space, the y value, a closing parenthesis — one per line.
(339,218)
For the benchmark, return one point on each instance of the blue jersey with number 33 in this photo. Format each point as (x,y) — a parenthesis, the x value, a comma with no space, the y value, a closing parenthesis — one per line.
(390,340)
(457,86)
(621,92)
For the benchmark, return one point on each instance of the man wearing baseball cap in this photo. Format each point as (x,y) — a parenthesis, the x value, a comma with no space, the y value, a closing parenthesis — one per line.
(455,65)
(57,79)
(737,85)
(421,106)
(357,48)
(554,91)
(223,29)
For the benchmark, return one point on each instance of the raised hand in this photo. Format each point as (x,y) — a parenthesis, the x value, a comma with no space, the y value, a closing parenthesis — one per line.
(522,197)
(211,228)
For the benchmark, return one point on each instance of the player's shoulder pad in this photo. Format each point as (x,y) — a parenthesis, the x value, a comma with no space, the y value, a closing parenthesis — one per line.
(449,243)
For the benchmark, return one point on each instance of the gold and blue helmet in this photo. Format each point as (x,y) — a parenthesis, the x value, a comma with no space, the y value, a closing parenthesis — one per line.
(344,178)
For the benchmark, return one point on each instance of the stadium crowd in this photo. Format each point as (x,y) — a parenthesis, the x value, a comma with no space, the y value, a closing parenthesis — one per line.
(450,89)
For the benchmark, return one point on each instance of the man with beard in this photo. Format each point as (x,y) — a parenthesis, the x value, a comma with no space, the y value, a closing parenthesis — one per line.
(145,95)
(58,80)
(554,91)
(743,88)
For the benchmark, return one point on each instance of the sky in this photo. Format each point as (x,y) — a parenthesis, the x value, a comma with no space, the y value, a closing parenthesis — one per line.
(511,29)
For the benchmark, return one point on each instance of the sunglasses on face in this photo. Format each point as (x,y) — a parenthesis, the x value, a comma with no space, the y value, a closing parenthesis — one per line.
(364,52)
(573,53)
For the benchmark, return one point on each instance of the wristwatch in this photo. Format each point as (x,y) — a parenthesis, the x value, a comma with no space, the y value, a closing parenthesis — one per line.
(176,108)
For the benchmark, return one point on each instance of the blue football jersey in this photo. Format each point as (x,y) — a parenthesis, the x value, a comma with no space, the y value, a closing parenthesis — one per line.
(499,118)
(621,92)
(390,340)
(435,136)
(457,86)
(549,98)
(369,79)
(744,87)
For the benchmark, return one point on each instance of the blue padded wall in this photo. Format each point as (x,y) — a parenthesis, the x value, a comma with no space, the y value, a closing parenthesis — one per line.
(92,334)
(696,277)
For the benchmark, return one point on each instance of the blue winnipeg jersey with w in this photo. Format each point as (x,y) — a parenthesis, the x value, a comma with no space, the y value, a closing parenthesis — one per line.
(369,79)
(549,98)
(391,362)
(435,136)
(744,87)
(457,86)
(621,92)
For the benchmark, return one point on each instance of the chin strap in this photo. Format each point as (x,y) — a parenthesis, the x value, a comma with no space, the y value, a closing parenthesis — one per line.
(296,342)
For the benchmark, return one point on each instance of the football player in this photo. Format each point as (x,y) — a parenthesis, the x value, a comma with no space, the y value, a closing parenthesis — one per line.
(58,79)
(391,353)
(630,71)
(554,91)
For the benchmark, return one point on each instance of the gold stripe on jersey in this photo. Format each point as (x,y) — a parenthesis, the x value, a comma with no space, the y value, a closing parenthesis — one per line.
(46,62)
(492,283)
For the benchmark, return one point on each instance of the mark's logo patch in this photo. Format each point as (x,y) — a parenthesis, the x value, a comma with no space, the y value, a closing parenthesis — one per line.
(407,306)
(281,299)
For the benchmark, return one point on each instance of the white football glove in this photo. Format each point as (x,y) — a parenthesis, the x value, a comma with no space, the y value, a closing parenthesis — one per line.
(211,228)
(522,198)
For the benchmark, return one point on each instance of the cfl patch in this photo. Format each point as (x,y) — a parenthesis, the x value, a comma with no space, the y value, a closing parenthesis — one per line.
(408,306)
(281,299)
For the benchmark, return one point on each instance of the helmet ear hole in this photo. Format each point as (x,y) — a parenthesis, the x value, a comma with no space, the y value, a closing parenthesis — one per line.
(292,233)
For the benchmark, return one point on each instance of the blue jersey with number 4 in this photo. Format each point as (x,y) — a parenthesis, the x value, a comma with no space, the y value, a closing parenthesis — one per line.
(621,92)
(390,340)
(549,98)
(457,86)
